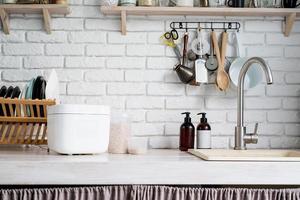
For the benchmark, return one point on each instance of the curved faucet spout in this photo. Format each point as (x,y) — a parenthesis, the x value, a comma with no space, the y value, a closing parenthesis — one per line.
(263,65)
(240,129)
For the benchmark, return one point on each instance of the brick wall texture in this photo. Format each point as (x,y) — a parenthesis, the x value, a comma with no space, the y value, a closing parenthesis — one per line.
(97,65)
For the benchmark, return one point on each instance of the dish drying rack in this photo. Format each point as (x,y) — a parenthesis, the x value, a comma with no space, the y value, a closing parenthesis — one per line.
(24,121)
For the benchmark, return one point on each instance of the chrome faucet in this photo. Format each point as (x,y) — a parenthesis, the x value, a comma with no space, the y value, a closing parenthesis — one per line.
(241,136)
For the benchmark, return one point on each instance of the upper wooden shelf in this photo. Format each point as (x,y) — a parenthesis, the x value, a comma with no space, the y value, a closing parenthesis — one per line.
(45,9)
(289,13)
(35,8)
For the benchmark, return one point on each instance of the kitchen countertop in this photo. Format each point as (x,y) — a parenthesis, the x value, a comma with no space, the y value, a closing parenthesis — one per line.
(35,166)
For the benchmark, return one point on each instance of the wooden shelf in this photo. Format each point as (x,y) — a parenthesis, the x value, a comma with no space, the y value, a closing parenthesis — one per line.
(45,9)
(290,14)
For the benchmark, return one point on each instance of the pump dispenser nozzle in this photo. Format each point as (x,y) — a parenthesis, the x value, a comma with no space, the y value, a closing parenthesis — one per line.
(203,118)
(187,117)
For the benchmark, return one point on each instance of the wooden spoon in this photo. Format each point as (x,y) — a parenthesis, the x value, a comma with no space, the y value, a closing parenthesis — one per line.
(226,82)
(222,76)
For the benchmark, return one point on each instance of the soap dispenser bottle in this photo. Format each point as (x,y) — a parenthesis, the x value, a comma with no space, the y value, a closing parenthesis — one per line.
(187,133)
(203,133)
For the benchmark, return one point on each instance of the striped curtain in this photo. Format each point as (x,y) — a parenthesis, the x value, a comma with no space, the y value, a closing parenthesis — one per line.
(145,192)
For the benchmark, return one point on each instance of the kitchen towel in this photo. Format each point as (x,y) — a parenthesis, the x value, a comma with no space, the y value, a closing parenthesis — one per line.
(144,192)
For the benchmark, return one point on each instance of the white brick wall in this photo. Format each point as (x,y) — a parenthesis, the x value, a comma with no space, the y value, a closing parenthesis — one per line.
(98,65)
(36,62)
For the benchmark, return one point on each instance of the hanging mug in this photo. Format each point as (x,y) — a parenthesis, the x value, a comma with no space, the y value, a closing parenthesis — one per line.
(236,3)
(290,3)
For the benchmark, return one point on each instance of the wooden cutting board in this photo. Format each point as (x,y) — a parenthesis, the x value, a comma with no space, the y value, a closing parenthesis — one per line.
(262,155)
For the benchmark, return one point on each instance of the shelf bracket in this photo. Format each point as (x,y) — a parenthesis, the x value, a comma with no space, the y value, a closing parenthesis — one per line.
(47,20)
(289,23)
(5,21)
(123,22)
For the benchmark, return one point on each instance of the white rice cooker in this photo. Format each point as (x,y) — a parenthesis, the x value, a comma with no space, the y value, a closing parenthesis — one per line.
(78,129)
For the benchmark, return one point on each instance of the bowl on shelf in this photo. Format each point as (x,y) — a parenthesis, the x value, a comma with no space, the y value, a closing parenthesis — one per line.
(109,2)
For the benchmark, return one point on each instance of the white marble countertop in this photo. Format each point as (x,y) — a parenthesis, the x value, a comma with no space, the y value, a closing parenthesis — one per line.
(35,166)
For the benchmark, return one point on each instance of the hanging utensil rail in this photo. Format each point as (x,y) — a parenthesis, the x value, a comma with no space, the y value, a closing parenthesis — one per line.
(206,25)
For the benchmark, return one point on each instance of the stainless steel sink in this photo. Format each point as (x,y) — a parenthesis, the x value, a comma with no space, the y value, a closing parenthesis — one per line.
(247,155)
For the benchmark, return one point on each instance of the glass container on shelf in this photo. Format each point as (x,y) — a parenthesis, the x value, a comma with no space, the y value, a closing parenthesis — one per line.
(182,3)
(8,1)
(216,3)
(163,3)
(147,2)
(127,2)
(269,3)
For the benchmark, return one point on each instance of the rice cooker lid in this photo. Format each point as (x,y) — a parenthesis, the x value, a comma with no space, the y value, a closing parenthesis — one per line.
(79,109)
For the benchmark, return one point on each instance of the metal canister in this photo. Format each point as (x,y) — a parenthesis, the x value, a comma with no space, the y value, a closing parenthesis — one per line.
(204,3)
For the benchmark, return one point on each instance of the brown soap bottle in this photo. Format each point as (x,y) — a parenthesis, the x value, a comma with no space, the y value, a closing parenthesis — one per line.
(187,133)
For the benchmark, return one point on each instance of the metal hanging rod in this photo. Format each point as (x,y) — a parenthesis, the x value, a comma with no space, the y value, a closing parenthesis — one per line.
(206,25)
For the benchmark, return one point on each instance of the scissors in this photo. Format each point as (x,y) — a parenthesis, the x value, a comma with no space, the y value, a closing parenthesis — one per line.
(170,42)
(173,34)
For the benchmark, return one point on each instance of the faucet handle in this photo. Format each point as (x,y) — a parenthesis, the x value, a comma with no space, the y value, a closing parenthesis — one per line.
(252,138)
(255,128)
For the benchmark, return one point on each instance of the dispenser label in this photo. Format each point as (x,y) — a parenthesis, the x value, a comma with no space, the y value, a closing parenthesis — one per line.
(203,139)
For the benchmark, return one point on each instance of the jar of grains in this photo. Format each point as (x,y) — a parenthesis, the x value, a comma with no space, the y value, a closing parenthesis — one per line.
(146,2)
(119,132)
